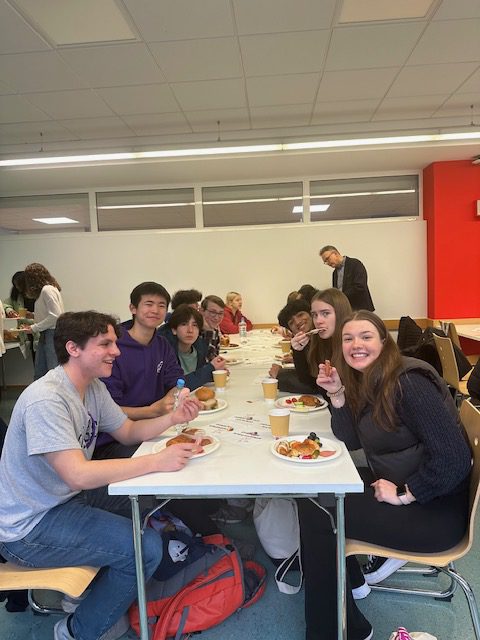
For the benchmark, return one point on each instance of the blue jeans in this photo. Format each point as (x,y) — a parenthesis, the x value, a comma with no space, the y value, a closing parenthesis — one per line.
(75,534)
(45,356)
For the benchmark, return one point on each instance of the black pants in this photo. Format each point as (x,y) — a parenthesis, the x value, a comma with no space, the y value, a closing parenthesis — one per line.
(194,513)
(431,527)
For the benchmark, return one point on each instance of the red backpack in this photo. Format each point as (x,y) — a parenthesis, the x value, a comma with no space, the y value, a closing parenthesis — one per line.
(221,586)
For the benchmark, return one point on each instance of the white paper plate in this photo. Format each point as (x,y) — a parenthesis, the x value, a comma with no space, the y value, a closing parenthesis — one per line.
(230,362)
(283,404)
(327,445)
(210,448)
(221,405)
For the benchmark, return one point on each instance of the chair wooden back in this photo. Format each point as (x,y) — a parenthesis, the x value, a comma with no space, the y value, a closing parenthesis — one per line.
(447,358)
(470,417)
(453,335)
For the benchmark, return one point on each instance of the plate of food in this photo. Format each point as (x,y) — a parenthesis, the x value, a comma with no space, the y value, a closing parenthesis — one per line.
(232,361)
(208,443)
(306,449)
(210,403)
(230,346)
(302,403)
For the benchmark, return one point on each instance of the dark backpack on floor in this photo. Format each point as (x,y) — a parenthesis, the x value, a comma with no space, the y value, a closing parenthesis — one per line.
(203,594)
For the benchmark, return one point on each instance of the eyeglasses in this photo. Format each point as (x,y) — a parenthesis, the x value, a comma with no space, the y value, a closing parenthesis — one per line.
(216,314)
(327,257)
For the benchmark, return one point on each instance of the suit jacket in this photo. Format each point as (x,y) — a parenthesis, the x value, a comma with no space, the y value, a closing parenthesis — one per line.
(355,285)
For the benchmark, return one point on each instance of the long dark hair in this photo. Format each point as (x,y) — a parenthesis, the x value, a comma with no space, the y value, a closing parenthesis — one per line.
(377,386)
(319,349)
(18,286)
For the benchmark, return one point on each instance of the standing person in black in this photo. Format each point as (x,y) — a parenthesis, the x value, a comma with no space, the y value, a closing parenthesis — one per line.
(350,276)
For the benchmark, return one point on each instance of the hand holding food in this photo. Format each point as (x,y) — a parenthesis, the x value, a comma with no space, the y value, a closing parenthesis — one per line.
(218,362)
(175,458)
(300,341)
(328,377)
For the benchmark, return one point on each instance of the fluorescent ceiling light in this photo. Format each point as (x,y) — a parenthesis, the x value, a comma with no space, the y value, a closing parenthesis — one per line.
(314,208)
(259,148)
(363,193)
(56,220)
(152,205)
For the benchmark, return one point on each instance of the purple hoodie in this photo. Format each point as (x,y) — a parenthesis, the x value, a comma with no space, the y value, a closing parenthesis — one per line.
(142,374)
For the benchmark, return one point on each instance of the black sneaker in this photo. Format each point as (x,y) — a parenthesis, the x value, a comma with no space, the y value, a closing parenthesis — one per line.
(378,569)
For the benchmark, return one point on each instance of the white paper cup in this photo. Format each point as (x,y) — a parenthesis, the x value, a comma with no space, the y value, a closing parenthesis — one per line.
(220,379)
(279,422)
(270,388)
(286,346)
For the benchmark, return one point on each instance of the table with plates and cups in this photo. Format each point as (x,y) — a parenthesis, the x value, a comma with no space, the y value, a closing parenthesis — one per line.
(241,460)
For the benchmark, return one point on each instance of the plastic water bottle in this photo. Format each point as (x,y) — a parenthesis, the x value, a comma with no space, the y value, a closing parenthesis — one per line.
(176,401)
(242,330)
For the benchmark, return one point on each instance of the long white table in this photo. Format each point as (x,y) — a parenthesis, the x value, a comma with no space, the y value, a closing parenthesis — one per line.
(471,331)
(249,469)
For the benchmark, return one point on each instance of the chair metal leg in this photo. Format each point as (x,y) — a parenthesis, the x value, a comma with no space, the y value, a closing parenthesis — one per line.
(470,596)
(40,608)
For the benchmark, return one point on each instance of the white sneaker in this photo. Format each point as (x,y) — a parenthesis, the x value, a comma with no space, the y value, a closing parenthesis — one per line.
(361,592)
(378,569)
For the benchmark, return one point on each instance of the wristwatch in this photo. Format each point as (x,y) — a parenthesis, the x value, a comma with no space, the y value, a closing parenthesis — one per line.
(402,494)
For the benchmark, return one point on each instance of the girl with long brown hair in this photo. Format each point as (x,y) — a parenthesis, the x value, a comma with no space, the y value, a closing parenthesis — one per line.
(43,287)
(401,413)
(328,309)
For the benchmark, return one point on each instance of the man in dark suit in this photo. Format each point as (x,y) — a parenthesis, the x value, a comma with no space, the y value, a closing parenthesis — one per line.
(350,276)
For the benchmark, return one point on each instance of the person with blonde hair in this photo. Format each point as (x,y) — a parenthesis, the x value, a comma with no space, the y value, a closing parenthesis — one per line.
(42,286)
(232,314)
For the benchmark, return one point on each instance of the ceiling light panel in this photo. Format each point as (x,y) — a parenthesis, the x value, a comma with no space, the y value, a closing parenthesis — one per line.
(68,23)
(55,220)
(376,10)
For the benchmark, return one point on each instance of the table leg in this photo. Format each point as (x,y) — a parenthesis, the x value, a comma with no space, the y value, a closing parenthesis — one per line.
(137,544)
(341,572)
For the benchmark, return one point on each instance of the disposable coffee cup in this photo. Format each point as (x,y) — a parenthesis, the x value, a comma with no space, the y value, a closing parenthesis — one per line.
(285,344)
(220,379)
(22,312)
(270,387)
(279,422)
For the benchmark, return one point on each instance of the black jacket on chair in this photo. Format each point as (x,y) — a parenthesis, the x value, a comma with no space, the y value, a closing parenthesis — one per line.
(355,285)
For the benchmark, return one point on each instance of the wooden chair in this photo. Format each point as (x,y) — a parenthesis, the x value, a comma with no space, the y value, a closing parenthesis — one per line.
(453,335)
(69,580)
(442,562)
(450,368)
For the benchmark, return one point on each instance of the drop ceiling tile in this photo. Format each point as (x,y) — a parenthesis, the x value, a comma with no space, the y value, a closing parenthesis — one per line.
(449,41)
(97,128)
(281,53)
(275,90)
(355,85)
(114,65)
(17,36)
(456,9)
(61,105)
(210,94)
(17,109)
(181,19)
(297,115)
(344,111)
(149,98)
(412,107)
(5,89)
(265,16)
(230,120)
(209,58)
(472,84)
(40,71)
(29,133)
(158,124)
(430,79)
(366,47)
(461,104)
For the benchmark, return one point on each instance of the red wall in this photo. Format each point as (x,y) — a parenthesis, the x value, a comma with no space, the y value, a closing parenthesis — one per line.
(450,193)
